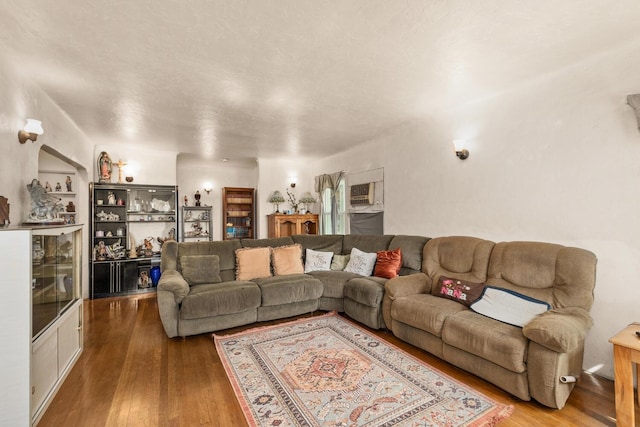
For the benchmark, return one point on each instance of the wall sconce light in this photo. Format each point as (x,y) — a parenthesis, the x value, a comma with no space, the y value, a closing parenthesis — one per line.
(461,151)
(208,187)
(31,130)
(293,181)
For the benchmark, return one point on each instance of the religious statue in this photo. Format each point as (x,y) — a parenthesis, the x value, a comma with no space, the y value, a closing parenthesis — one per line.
(58,187)
(68,182)
(104,167)
(44,207)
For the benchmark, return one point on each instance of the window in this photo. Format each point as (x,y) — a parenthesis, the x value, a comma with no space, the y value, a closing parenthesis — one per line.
(333,215)
(341,209)
(327,228)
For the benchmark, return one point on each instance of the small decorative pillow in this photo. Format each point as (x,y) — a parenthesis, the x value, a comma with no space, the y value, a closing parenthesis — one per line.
(388,263)
(508,306)
(287,260)
(361,263)
(459,290)
(253,263)
(339,262)
(317,261)
(199,269)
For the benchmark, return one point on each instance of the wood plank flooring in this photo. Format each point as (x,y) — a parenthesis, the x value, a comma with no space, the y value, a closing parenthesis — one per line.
(131,374)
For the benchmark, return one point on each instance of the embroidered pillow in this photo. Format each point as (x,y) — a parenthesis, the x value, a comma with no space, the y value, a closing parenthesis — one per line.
(361,263)
(253,263)
(339,262)
(317,261)
(198,269)
(388,263)
(287,260)
(459,290)
(509,306)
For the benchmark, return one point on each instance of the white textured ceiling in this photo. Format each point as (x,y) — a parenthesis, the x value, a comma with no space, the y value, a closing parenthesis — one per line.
(257,78)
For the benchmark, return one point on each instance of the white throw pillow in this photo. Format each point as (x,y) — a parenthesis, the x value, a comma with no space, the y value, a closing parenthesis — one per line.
(361,263)
(508,306)
(317,261)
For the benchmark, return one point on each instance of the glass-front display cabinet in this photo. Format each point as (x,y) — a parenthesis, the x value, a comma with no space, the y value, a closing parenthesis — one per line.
(55,275)
(41,318)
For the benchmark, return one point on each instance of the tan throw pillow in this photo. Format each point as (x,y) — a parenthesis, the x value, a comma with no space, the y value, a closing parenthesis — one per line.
(199,269)
(253,263)
(339,262)
(287,260)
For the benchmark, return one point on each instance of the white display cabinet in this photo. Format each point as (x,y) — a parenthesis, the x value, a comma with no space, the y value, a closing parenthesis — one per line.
(41,317)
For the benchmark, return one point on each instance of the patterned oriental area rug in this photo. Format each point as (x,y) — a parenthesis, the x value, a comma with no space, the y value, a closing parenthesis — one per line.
(327,371)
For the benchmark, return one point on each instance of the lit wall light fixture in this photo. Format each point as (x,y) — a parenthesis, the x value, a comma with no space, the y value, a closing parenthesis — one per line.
(208,187)
(461,151)
(293,181)
(31,130)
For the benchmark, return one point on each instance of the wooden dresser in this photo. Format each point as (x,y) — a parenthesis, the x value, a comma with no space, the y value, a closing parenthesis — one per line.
(281,225)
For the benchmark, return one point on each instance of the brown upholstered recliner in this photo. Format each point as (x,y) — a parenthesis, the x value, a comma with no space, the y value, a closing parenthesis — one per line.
(527,362)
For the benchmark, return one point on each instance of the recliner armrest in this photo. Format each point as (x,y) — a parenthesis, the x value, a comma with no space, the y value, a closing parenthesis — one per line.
(402,286)
(172,281)
(561,329)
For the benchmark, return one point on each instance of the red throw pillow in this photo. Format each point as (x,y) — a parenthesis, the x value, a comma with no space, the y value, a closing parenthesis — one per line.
(388,263)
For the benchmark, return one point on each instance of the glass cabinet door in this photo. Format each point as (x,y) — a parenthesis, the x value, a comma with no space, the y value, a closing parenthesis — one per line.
(54,275)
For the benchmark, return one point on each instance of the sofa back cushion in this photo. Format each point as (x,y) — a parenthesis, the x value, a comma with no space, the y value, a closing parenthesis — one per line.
(326,243)
(457,257)
(559,275)
(224,249)
(265,243)
(412,248)
(370,243)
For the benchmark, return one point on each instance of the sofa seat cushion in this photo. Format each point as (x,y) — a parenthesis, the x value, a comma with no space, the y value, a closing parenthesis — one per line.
(333,282)
(216,299)
(502,344)
(425,312)
(366,290)
(278,290)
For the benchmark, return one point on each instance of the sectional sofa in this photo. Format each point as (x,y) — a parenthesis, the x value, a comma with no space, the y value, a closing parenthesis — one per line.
(434,303)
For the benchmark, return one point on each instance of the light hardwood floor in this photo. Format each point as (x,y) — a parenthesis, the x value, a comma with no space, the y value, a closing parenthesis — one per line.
(131,374)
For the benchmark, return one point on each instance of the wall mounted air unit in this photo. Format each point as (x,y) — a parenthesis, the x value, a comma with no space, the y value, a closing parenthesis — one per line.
(362,194)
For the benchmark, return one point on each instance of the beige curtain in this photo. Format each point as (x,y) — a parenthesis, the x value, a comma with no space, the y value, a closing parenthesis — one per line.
(331,182)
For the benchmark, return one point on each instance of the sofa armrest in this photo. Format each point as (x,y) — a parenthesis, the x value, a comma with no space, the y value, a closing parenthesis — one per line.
(561,329)
(402,286)
(172,281)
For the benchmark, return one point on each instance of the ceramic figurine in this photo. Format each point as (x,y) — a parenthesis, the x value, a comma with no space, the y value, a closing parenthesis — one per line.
(58,187)
(68,182)
(104,166)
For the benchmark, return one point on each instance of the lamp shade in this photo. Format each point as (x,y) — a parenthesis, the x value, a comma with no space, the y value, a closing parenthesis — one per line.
(307,198)
(34,126)
(276,197)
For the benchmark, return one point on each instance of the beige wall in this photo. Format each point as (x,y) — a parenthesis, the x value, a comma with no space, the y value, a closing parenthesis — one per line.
(19,163)
(553,160)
